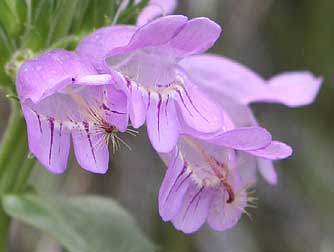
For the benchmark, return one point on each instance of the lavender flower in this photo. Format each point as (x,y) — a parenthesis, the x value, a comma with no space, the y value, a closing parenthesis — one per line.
(235,87)
(62,95)
(202,184)
(159,91)
(203,179)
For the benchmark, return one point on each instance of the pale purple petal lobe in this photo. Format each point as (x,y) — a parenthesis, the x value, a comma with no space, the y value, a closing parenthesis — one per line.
(198,110)
(48,140)
(115,108)
(173,188)
(294,89)
(248,138)
(137,107)
(267,170)
(194,209)
(50,72)
(197,36)
(167,27)
(275,150)
(220,75)
(90,149)
(96,46)
(162,124)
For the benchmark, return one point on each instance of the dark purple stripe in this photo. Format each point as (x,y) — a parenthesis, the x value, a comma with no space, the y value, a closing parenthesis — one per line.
(128,83)
(159,109)
(188,176)
(86,126)
(105,107)
(192,201)
(52,125)
(60,128)
(166,114)
(178,177)
(149,100)
(194,105)
(39,122)
(179,92)
(60,131)
(117,112)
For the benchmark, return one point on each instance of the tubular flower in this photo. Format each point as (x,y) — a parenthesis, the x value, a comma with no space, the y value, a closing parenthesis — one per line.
(235,87)
(159,91)
(203,182)
(145,61)
(62,95)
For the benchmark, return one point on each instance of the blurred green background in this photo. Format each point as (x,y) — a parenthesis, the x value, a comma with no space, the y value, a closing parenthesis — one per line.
(270,36)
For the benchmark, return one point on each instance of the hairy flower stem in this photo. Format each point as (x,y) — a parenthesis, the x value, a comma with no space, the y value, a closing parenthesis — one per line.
(15,167)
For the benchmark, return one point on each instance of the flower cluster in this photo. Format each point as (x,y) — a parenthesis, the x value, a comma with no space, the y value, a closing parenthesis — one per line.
(195,107)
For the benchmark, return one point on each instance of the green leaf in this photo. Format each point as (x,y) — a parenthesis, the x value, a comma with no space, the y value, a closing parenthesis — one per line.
(80,224)
(99,13)
(12,15)
(64,14)
(37,32)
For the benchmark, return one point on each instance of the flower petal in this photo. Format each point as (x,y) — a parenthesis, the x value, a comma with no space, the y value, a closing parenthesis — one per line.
(116,108)
(94,79)
(162,124)
(49,140)
(173,187)
(223,76)
(155,33)
(275,150)
(267,170)
(50,72)
(292,89)
(90,149)
(223,215)
(248,138)
(137,107)
(247,166)
(198,110)
(197,36)
(96,45)
(194,209)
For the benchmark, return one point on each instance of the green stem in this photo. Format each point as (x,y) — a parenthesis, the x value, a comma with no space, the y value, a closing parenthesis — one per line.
(24,175)
(14,127)
(4,228)
(15,168)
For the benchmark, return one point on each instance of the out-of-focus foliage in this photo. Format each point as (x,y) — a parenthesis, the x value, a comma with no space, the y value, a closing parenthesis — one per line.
(81,224)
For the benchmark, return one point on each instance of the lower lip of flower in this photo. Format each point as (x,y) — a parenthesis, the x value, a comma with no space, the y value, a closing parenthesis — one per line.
(220,170)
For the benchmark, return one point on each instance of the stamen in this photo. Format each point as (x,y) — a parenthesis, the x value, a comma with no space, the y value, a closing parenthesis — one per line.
(229,190)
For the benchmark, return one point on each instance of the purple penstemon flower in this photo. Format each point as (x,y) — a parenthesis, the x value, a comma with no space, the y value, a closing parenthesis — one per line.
(160,92)
(235,87)
(203,181)
(62,95)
